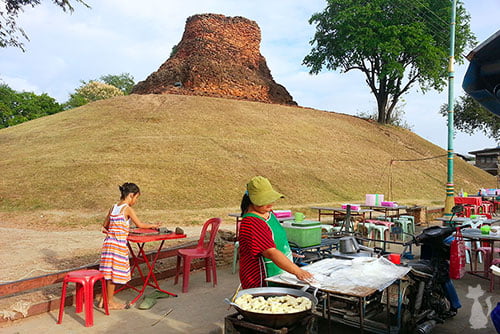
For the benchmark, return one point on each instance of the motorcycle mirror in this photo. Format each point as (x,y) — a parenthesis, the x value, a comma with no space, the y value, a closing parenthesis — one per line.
(457,209)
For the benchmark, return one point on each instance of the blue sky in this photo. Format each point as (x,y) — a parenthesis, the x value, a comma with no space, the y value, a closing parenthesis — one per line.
(117,36)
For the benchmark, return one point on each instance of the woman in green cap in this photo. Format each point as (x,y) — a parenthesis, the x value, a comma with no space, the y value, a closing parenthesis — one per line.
(264,248)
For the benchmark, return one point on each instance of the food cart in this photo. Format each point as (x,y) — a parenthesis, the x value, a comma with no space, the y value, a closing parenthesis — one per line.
(364,292)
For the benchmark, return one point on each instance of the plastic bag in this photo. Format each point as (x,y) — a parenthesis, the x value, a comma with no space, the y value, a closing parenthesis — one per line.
(457,256)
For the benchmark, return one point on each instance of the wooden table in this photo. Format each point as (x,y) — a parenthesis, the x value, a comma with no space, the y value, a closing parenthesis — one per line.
(386,209)
(140,256)
(339,212)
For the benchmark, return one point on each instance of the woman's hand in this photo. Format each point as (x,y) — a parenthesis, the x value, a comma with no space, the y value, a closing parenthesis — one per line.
(284,263)
(303,275)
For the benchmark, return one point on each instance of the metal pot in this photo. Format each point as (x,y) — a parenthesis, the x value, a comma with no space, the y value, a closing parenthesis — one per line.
(274,320)
(348,245)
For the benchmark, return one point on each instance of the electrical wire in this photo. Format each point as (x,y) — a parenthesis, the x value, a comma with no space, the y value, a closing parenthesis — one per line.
(430,11)
(391,163)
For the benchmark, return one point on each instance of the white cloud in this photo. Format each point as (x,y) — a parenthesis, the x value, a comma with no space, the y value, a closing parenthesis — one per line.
(20,84)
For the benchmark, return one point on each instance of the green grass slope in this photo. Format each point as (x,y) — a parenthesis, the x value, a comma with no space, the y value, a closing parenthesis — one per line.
(194,153)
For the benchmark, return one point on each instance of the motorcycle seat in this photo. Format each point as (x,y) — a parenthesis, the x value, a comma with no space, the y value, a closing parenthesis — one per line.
(422,266)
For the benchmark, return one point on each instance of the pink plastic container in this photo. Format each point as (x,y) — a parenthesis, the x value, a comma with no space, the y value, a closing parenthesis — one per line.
(282,213)
(370,199)
(373,199)
(389,204)
(354,207)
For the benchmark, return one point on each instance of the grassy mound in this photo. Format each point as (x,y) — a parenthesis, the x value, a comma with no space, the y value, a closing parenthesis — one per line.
(191,153)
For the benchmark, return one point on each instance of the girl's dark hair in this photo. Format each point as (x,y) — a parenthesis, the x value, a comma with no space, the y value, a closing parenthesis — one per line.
(128,188)
(245,203)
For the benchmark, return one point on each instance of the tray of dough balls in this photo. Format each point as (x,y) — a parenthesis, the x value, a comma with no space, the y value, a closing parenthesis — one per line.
(273,306)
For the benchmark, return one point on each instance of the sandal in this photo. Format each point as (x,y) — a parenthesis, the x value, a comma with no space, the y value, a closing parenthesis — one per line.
(158,294)
(147,303)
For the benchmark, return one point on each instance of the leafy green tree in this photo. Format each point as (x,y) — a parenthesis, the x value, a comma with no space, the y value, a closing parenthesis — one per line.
(19,107)
(10,33)
(124,82)
(471,117)
(395,43)
(92,91)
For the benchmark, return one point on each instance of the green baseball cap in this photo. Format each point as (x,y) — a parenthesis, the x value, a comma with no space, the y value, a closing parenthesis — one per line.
(261,191)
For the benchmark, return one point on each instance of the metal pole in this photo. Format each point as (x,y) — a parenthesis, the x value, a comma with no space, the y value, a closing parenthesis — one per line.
(449,202)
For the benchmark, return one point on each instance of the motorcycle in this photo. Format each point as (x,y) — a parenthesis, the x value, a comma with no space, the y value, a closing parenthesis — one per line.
(430,297)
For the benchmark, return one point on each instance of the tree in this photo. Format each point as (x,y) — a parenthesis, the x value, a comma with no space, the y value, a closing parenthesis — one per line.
(10,33)
(395,43)
(124,82)
(470,117)
(397,117)
(19,107)
(92,91)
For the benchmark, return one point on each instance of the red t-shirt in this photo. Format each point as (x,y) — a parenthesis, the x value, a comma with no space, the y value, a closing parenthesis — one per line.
(255,236)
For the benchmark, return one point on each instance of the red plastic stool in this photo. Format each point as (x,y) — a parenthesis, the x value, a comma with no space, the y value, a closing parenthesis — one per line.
(85,280)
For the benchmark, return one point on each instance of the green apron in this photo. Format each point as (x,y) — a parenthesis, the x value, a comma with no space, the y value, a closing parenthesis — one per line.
(281,241)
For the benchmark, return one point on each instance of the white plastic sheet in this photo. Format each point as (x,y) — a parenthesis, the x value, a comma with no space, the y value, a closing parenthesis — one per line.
(349,276)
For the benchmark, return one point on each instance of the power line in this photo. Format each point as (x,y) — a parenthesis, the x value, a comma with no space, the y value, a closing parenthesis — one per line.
(430,11)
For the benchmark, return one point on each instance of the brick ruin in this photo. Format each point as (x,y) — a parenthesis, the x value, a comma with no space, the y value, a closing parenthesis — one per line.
(218,56)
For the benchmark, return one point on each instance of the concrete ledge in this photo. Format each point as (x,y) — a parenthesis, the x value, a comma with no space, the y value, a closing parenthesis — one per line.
(18,288)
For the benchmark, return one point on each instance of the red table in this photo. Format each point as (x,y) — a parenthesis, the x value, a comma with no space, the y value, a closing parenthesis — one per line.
(140,256)
(469,200)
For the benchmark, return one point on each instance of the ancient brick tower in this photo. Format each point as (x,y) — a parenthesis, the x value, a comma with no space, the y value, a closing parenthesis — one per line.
(217,56)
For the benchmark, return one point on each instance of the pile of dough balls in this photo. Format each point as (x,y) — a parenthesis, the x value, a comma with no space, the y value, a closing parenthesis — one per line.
(279,304)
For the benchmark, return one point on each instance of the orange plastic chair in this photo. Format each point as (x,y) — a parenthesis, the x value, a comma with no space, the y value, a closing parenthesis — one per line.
(202,251)
(85,280)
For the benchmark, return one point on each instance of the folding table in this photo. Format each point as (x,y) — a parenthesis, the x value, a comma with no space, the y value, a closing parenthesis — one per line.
(475,234)
(337,213)
(138,257)
(386,210)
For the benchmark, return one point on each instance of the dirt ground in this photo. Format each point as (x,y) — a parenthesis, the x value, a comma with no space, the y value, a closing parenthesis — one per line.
(34,251)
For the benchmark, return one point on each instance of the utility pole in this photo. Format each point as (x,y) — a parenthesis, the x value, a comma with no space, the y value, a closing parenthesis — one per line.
(498,172)
(450,188)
